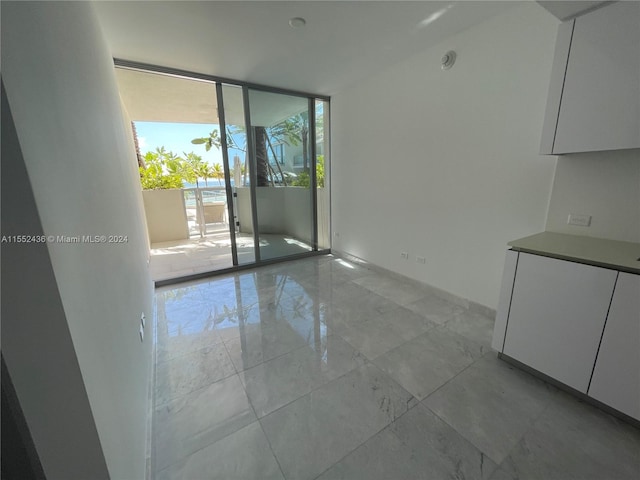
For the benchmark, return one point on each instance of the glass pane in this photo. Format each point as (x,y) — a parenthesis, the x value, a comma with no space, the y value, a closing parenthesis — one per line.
(239,171)
(322,173)
(281,143)
(176,132)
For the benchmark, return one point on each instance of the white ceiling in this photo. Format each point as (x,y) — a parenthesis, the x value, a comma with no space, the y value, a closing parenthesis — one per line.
(342,42)
(162,98)
(152,97)
(566,9)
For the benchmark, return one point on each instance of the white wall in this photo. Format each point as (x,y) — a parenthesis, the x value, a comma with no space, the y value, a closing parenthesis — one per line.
(166,217)
(445,164)
(605,185)
(82,167)
(36,343)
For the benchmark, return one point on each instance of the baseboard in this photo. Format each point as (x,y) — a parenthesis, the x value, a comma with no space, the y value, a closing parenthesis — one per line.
(469,305)
(149,454)
(571,391)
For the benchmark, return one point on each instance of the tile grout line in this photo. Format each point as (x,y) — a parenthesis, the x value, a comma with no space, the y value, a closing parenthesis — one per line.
(177,357)
(459,373)
(276,357)
(171,399)
(423,401)
(377,432)
(222,438)
(530,427)
(255,413)
(322,385)
(203,447)
(275,457)
(356,350)
(243,388)
(463,436)
(533,421)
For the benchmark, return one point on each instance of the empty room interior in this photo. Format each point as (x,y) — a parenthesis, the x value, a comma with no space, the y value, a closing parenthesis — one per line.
(320,240)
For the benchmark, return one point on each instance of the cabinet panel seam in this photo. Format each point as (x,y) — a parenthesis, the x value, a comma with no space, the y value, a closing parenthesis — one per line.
(513,286)
(606,318)
(564,80)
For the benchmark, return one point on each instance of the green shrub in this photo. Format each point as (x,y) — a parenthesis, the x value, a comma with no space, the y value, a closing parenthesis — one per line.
(164,170)
(304,179)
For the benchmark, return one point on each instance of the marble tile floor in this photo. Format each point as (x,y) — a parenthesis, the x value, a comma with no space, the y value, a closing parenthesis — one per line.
(323,369)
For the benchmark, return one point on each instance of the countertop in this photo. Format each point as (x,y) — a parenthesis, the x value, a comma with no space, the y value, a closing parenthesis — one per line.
(600,252)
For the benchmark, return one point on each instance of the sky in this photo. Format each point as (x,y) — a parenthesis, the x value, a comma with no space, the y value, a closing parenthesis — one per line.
(176,137)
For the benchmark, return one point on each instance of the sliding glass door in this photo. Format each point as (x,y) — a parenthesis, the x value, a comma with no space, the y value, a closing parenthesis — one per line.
(235,149)
(241,172)
(322,161)
(175,128)
(281,170)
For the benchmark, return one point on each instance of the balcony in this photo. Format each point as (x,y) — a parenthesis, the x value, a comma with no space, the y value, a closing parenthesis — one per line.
(189,232)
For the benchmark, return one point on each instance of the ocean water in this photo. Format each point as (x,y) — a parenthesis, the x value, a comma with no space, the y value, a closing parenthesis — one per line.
(210,183)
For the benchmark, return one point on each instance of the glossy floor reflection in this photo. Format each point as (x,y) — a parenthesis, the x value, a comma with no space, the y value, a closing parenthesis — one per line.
(321,368)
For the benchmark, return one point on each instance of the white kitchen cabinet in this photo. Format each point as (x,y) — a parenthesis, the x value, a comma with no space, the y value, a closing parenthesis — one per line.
(594,95)
(556,317)
(504,302)
(616,377)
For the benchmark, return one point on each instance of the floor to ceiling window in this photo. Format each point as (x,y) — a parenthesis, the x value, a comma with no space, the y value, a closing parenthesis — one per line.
(282,187)
(323,173)
(231,174)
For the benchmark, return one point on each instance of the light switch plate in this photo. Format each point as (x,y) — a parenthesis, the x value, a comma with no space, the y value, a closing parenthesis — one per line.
(579,220)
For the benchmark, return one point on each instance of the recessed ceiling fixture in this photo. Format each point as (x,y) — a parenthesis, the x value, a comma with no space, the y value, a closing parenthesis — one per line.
(297,22)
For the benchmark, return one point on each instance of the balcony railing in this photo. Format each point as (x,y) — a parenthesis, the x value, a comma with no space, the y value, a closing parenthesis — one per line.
(206,209)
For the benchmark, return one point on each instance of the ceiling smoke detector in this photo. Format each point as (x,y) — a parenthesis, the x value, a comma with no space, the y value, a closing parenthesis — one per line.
(297,22)
(448,59)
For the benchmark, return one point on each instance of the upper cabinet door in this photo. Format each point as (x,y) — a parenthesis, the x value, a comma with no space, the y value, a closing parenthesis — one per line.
(597,76)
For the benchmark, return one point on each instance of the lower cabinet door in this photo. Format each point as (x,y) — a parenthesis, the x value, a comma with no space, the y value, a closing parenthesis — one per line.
(616,377)
(504,302)
(558,311)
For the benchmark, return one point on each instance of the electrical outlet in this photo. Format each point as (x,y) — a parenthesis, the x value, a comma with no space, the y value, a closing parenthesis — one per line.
(421,260)
(404,255)
(579,220)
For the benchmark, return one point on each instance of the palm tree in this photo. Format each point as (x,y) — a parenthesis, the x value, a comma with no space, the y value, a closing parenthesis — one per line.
(168,157)
(262,161)
(195,165)
(295,130)
(175,165)
(261,135)
(217,171)
(292,131)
